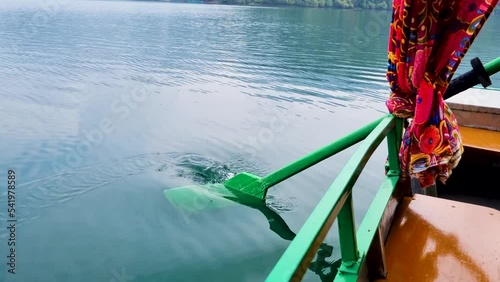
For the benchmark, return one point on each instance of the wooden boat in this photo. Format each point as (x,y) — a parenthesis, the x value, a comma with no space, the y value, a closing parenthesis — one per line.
(407,234)
(454,237)
(449,233)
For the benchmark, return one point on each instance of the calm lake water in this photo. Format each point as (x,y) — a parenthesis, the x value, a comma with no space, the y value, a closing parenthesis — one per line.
(104,105)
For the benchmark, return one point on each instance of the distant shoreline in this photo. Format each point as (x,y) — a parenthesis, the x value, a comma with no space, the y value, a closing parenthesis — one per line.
(283,6)
(386,5)
(328,4)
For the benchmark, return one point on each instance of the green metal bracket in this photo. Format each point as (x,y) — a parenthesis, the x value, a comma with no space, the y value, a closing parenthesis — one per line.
(371,221)
(295,261)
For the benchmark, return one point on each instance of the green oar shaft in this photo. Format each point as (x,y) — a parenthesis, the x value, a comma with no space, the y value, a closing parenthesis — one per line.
(493,66)
(319,155)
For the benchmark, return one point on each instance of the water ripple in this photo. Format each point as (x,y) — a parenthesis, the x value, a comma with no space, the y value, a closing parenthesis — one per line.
(59,188)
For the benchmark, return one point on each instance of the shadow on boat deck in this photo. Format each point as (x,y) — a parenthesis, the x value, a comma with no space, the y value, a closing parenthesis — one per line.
(475,180)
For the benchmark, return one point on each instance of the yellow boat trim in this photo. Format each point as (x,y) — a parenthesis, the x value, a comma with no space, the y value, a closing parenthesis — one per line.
(481,138)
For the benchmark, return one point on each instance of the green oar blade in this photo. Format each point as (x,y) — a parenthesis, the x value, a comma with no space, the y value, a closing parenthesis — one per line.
(243,187)
(194,198)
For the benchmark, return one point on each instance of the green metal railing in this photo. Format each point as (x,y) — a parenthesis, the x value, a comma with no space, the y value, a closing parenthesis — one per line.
(337,203)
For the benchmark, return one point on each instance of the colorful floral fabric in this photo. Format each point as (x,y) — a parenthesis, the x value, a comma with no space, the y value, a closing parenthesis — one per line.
(427,41)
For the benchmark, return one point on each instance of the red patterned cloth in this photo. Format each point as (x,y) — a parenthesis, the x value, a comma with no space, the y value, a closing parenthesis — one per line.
(427,41)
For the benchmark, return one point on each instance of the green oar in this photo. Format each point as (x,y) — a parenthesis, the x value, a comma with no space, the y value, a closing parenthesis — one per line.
(246,187)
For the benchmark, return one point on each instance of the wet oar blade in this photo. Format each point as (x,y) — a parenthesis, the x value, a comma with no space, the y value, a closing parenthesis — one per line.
(195,198)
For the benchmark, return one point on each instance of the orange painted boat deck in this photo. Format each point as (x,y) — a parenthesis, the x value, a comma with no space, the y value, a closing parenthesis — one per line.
(437,239)
(434,239)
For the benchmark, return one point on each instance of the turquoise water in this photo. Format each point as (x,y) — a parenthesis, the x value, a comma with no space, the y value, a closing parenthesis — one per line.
(107,104)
